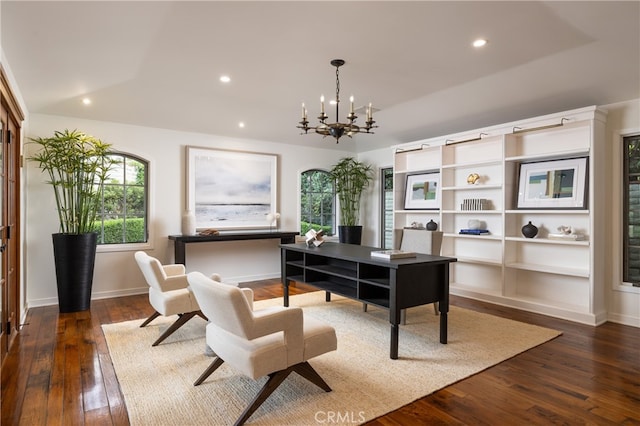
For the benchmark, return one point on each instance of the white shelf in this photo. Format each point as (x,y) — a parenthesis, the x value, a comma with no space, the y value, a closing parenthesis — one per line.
(548,241)
(476,212)
(574,272)
(416,211)
(481,236)
(554,212)
(470,187)
(472,164)
(548,156)
(479,261)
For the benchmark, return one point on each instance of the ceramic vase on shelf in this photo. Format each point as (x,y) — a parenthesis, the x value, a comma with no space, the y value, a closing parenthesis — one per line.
(188,223)
(432,226)
(529,230)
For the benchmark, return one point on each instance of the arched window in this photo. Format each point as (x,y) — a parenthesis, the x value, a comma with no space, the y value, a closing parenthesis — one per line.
(317,202)
(123,216)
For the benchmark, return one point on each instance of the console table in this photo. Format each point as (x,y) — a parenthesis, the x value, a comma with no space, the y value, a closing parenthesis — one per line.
(350,271)
(181,241)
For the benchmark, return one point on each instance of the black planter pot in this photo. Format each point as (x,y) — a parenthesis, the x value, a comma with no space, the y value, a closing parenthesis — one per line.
(75,256)
(350,234)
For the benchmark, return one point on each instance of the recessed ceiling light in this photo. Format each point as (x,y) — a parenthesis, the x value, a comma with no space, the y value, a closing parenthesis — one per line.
(479,42)
(225,78)
(86,101)
(241,125)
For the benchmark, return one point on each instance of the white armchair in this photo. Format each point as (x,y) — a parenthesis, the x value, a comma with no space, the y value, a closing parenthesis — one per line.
(169,293)
(273,341)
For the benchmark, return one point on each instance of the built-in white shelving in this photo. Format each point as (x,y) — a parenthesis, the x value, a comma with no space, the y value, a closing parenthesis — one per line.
(563,278)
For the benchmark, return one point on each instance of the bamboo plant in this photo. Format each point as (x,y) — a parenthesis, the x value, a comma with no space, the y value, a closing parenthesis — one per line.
(351,178)
(77,165)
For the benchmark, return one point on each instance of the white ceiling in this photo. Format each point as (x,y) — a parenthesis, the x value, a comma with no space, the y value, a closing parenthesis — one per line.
(157,64)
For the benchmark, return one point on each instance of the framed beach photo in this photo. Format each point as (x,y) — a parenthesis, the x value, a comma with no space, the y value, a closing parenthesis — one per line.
(231,189)
(556,184)
(422,191)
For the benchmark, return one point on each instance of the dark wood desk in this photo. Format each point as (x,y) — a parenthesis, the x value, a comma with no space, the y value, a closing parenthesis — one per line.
(180,241)
(350,271)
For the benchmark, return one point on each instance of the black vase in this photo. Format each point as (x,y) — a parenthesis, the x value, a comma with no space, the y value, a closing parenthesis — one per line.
(350,234)
(75,256)
(529,230)
(432,226)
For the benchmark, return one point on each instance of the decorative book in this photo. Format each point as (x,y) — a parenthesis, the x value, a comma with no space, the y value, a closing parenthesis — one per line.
(392,254)
(474,231)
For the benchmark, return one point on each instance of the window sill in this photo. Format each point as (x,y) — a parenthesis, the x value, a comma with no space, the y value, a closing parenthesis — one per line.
(626,288)
(108,248)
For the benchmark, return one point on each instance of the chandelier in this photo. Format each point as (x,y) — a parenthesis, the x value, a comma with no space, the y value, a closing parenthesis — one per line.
(337,129)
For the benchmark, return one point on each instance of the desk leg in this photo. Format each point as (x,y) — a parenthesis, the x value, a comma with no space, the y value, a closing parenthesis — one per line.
(179,252)
(285,282)
(395,330)
(444,305)
(443,327)
(283,275)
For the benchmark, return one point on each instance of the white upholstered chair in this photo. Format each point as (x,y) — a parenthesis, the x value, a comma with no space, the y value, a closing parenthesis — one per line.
(169,293)
(270,342)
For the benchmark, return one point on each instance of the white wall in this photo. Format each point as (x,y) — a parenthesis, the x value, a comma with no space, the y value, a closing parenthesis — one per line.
(116,272)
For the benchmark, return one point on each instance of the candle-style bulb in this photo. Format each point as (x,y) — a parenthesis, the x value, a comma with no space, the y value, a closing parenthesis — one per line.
(351,100)
(322,104)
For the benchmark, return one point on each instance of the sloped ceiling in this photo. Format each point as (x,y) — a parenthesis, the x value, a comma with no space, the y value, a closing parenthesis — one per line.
(158,64)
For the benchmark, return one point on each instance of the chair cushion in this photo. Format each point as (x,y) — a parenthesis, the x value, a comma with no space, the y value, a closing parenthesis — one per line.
(265,355)
(319,338)
(172,302)
(254,358)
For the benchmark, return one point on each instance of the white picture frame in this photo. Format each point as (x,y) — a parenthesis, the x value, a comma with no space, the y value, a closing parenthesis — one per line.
(422,191)
(554,184)
(231,189)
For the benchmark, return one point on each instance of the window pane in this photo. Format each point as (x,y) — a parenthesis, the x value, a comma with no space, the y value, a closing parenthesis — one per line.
(134,172)
(631,237)
(316,201)
(123,215)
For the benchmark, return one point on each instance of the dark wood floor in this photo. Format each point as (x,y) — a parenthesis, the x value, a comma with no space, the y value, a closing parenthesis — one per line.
(59,372)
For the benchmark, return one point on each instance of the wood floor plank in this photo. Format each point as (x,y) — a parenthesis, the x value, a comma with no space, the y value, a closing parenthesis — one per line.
(589,375)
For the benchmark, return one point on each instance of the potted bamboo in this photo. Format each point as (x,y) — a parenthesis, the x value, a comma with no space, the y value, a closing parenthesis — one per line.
(351,178)
(77,165)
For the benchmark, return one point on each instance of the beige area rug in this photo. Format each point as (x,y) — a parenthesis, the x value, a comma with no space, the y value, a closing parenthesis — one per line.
(157,382)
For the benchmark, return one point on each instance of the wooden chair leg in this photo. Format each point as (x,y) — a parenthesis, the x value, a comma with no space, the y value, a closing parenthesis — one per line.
(201,315)
(436,306)
(364,307)
(403,316)
(210,369)
(182,319)
(153,316)
(308,372)
(272,384)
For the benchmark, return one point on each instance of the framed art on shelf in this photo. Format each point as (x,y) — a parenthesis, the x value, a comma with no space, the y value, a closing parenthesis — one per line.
(555,184)
(231,189)
(422,191)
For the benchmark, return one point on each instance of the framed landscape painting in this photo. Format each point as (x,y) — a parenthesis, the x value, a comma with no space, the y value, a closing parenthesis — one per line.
(422,191)
(555,184)
(231,189)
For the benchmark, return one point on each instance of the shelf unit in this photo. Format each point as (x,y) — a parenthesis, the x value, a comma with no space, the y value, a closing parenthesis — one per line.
(561,278)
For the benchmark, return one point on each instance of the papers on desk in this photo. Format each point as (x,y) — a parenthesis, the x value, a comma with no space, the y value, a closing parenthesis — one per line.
(392,254)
